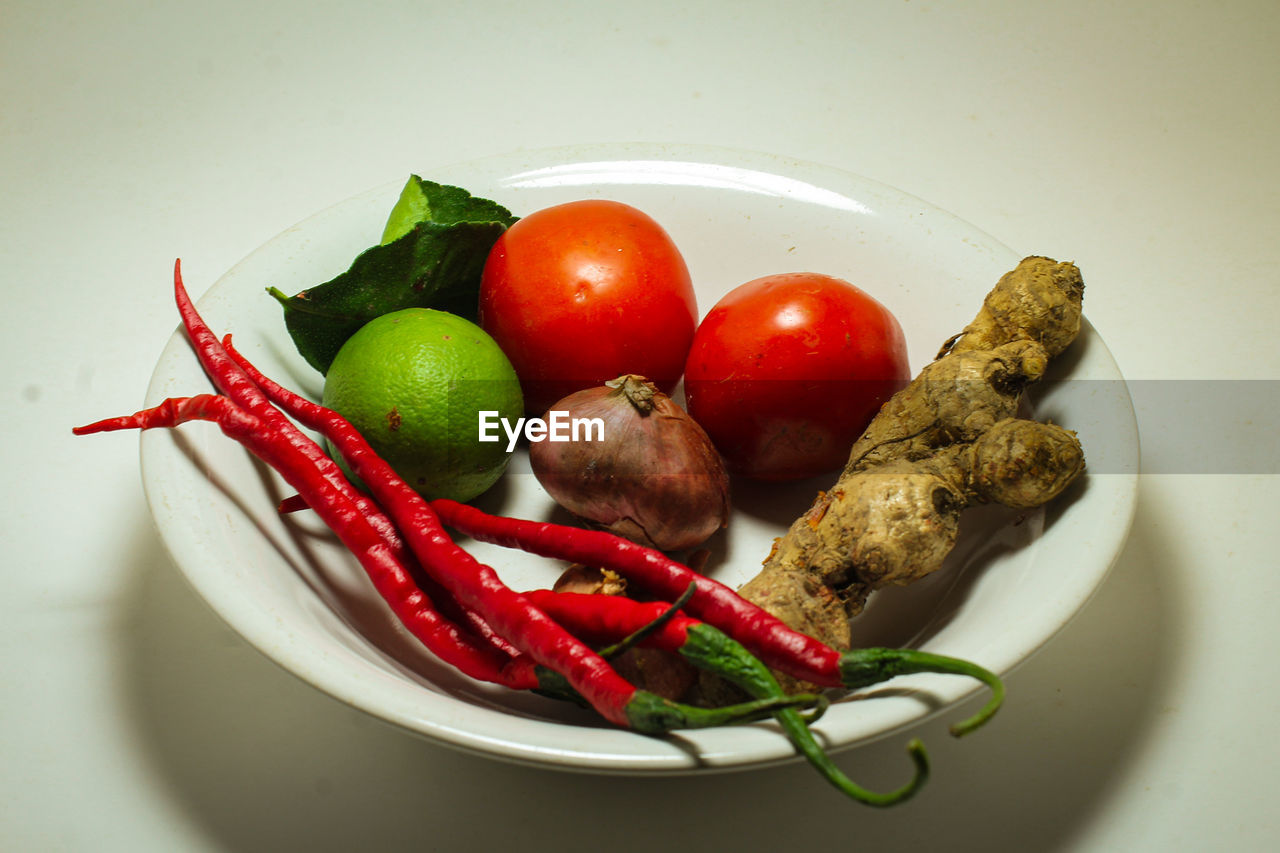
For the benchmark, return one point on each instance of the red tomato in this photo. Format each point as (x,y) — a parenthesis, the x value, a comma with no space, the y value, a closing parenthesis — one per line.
(581,293)
(786,372)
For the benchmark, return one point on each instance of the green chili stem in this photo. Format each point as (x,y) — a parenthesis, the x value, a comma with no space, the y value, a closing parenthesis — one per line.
(650,713)
(653,714)
(713,650)
(804,741)
(863,667)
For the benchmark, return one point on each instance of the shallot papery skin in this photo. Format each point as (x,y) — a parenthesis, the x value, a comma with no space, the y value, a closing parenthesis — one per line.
(653,477)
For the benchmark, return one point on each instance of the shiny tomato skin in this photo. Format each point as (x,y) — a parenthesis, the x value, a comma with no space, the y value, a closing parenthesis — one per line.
(786,371)
(583,292)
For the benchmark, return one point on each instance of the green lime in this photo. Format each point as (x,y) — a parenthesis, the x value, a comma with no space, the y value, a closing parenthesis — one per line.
(414,383)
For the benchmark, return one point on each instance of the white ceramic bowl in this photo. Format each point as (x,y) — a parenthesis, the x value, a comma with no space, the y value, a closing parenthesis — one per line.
(291,591)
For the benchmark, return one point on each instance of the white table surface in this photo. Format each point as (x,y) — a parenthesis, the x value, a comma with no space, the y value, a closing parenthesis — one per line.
(1138,139)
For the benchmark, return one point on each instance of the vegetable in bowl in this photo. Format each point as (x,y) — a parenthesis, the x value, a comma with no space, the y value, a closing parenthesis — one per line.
(844,717)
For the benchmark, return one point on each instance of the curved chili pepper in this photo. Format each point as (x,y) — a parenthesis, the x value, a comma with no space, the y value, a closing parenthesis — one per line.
(410,604)
(607,617)
(233,381)
(638,709)
(779,645)
(509,613)
(238,380)
(449,608)
(476,586)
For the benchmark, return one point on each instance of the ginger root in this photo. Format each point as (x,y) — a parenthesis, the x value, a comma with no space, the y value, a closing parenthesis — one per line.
(951,439)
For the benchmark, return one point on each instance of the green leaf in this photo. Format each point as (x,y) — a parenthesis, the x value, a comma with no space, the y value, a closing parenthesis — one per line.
(434,248)
(412,207)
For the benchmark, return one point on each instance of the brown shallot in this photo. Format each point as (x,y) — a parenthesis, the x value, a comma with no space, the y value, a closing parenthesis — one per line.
(648,472)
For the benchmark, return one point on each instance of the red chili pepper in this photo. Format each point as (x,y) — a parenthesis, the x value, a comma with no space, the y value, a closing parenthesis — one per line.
(390,577)
(229,378)
(515,616)
(481,591)
(227,374)
(526,647)
(779,645)
(602,619)
(475,586)
(638,709)
(449,608)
